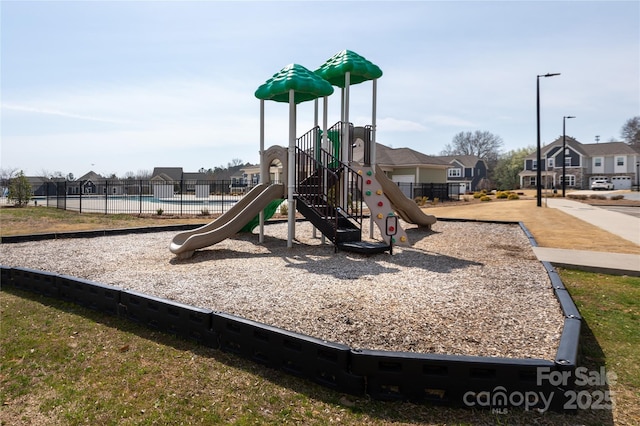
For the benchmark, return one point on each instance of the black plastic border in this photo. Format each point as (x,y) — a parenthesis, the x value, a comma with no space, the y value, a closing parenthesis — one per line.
(384,375)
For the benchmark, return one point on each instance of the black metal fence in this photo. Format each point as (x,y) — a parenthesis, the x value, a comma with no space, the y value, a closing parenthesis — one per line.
(201,197)
(196,197)
(432,191)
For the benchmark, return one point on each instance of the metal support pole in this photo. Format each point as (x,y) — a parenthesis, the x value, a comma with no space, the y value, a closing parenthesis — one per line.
(564,153)
(264,168)
(538,156)
(291,220)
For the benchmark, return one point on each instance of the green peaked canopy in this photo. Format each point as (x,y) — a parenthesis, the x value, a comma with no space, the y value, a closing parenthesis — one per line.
(360,69)
(305,84)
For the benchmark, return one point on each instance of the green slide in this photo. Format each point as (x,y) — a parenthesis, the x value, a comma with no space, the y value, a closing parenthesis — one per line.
(269,211)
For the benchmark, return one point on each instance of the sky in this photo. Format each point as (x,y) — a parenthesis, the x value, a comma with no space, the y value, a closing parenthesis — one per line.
(126,86)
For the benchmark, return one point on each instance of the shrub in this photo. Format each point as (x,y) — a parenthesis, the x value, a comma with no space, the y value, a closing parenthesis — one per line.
(19,190)
(501,194)
(435,201)
(204,212)
(597,197)
(577,196)
(513,196)
(485,198)
(284,208)
(421,201)
(617,197)
(477,194)
(159,212)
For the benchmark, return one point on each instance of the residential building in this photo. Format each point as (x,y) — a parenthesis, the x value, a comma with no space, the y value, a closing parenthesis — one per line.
(618,162)
(417,174)
(466,170)
(405,165)
(166,181)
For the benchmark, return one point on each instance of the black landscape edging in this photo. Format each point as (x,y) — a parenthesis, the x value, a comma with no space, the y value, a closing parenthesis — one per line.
(12,239)
(480,382)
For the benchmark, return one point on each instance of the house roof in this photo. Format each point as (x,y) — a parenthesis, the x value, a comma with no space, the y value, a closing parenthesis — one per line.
(570,142)
(591,149)
(395,157)
(174,173)
(194,176)
(162,177)
(468,161)
(609,148)
(37,180)
(92,176)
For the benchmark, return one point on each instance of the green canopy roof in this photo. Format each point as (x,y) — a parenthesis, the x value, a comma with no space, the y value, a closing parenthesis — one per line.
(360,69)
(305,84)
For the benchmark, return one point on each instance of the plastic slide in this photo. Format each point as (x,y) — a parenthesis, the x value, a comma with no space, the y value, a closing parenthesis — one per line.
(229,224)
(406,208)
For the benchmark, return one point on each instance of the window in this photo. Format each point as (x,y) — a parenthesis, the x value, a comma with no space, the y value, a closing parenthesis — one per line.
(567,161)
(534,165)
(454,173)
(532,181)
(597,162)
(550,163)
(619,161)
(571,180)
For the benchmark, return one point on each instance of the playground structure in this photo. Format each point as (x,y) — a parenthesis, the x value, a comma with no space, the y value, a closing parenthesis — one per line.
(323,182)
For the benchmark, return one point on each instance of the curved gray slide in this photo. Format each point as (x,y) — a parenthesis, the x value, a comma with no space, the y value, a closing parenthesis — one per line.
(406,208)
(229,224)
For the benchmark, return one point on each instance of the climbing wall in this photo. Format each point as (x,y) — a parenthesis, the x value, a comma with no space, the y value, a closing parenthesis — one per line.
(381,208)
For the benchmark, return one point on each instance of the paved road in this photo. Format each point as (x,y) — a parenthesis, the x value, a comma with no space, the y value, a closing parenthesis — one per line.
(631,211)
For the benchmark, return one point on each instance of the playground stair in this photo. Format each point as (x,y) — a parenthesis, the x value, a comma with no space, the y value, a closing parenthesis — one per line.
(332,222)
(312,203)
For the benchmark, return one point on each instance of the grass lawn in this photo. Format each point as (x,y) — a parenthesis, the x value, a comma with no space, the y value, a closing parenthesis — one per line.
(63,364)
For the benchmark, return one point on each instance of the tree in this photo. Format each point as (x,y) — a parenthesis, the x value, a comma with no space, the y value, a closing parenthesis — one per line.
(234,163)
(505,174)
(482,144)
(143,174)
(631,131)
(20,190)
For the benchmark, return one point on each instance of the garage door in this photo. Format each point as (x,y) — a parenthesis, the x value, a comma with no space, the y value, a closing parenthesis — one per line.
(405,182)
(621,182)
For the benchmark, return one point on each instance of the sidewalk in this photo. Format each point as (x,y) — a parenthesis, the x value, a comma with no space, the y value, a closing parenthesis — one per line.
(620,224)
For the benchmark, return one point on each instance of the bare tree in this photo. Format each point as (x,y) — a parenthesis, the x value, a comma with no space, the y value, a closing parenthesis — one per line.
(631,131)
(234,163)
(481,143)
(144,174)
(8,173)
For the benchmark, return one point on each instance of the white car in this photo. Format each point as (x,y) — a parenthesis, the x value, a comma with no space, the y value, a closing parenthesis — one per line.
(601,184)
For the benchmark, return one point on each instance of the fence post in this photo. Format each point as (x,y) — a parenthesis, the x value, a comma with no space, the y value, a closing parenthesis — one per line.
(80,191)
(106,194)
(140,195)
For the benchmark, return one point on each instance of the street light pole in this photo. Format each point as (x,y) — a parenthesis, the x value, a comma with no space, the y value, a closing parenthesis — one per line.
(539,168)
(564,152)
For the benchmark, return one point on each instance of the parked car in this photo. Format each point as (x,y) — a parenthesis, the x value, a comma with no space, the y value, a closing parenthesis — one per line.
(601,184)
